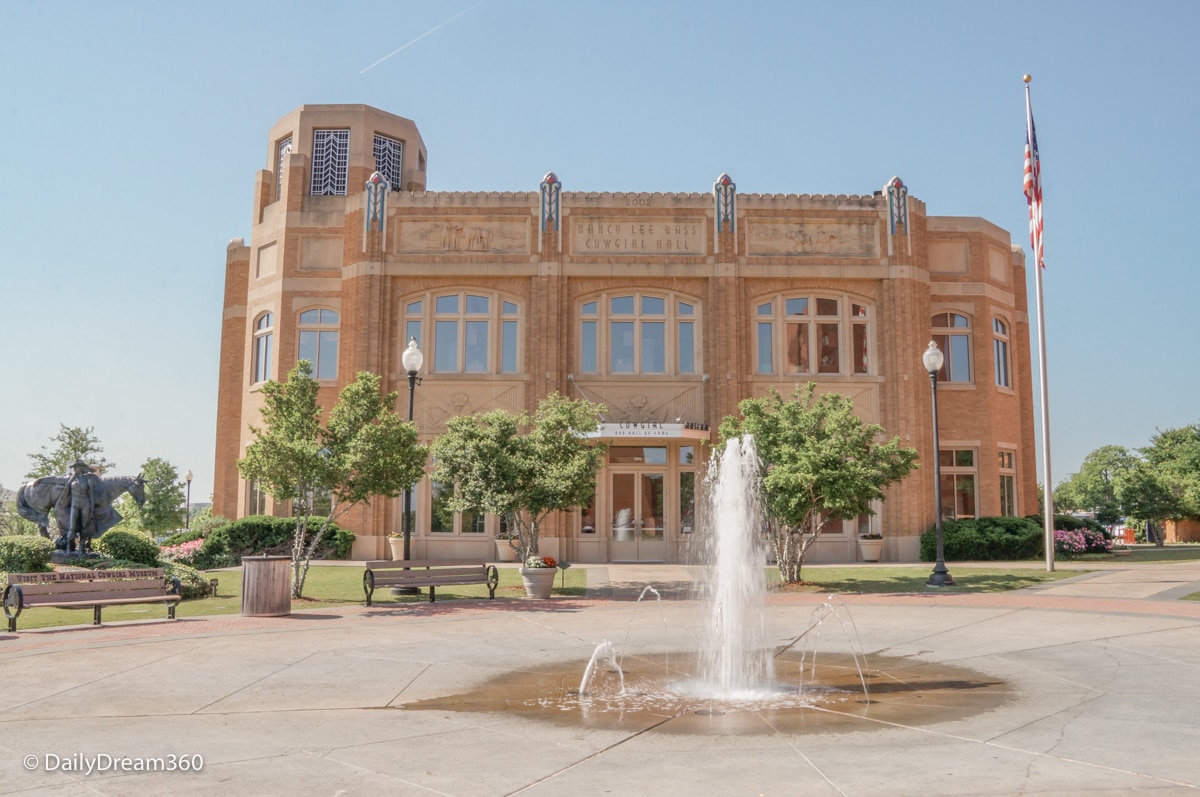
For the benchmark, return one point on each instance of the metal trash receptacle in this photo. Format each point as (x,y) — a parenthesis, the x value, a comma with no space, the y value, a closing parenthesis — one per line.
(266,586)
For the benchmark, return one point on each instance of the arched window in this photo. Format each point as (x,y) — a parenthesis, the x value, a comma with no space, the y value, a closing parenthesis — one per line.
(1000,351)
(812,335)
(638,333)
(264,333)
(318,342)
(474,332)
(952,333)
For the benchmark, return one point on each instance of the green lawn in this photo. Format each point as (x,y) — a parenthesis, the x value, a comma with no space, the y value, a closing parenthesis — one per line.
(325,586)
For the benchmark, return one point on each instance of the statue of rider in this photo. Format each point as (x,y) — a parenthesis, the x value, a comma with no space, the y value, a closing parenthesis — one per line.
(83,502)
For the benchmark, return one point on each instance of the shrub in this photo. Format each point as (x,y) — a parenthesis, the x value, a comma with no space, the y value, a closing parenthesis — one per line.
(131,546)
(985,539)
(25,554)
(184,553)
(262,534)
(192,583)
(180,538)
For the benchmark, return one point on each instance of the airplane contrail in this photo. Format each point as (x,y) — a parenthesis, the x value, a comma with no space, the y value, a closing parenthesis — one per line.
(422,36)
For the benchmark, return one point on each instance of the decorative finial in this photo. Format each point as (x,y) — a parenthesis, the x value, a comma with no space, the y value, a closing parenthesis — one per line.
(1027,78)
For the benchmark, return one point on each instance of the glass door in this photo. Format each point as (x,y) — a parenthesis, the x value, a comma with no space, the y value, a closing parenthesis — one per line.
(637,508)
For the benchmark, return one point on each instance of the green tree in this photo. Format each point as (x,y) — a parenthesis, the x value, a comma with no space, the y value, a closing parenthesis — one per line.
(1093,487)
(820,460)
(520,466)
(1175,456)
(364,450)
(1142,494)
(163,510)
(71,443)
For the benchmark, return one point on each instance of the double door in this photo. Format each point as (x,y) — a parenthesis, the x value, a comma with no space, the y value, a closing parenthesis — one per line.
(637,509)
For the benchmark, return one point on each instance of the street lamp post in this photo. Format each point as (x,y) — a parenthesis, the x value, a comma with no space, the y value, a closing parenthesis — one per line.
(933,359)
(412,359)
(187,512)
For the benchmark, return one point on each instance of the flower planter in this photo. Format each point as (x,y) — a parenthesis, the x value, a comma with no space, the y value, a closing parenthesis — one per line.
(539,581)
(870,550)
(505,552)
(396,544)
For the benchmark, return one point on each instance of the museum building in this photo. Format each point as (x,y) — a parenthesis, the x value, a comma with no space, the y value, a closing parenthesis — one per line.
(667,308)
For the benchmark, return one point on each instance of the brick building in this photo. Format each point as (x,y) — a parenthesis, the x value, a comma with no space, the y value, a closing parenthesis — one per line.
(666,307)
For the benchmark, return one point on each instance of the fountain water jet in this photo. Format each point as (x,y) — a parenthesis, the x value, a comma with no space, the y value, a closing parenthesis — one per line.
(734,647)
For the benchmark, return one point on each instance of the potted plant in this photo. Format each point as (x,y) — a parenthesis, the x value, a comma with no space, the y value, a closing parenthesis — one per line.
(538,575)
(506,546)
(870,546)
(396,544)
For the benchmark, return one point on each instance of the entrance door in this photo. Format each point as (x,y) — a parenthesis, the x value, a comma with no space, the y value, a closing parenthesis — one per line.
(637,509)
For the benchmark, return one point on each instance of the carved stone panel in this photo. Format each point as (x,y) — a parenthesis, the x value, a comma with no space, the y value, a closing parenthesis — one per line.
(827,237)
(437,402)
(593,235)
(864,396)
(467,235)
(664,402)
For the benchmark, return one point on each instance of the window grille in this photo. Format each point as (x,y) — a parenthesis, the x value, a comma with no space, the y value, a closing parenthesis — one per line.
(389,157)
(284,149)
(331,158)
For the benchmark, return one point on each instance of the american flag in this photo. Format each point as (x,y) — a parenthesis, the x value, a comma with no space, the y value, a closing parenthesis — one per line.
(1033,185)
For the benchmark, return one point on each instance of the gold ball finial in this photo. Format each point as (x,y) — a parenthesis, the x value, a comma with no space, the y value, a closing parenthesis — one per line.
(1027,78)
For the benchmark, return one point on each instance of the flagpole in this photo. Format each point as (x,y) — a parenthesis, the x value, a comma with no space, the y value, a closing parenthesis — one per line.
(1047,483)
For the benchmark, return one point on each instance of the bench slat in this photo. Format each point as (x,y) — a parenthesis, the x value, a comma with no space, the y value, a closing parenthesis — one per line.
(67,588)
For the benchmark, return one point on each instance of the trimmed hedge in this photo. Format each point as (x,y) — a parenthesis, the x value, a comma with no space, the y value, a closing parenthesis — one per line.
(263,534)
(130,546)
(25,554)
(985,539)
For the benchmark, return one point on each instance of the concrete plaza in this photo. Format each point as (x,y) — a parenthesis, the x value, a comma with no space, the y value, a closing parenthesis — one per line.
(1100,672)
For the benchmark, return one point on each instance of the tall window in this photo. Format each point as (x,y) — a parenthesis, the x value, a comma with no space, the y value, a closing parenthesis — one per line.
(256,499)
(264,333)
(958,482)
(1008,484)
(389,157)
(473,333)
(812,335)
(445,521)
(1000,351)
(282,150)
(319,342)
(952,333)
(637,333)
(330,162)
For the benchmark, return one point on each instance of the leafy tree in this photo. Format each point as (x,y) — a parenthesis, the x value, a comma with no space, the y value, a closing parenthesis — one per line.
(364,450)
(1142,494)
(1175,456)
(1093,487)
(820,460)
(521,466)
(163,509)
(71,443)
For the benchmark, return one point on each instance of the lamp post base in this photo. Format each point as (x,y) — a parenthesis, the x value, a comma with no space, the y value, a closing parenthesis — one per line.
(940,577)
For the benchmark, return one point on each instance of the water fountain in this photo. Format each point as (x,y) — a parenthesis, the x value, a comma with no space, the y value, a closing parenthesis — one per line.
(738,677)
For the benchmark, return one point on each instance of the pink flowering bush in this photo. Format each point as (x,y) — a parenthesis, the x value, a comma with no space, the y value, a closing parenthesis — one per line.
(184,553)
(1069,543)
(1074,543)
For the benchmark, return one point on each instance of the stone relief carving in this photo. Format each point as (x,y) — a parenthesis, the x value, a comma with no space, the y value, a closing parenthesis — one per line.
(457,235)
(645,403)
(838,238)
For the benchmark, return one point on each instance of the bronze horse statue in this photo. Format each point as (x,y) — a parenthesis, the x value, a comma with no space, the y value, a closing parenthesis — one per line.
(38,498)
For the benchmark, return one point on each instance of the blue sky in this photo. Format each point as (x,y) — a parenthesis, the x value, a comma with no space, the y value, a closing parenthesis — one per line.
(133,132)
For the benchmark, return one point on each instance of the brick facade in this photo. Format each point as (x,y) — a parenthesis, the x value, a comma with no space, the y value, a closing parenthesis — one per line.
(312,252)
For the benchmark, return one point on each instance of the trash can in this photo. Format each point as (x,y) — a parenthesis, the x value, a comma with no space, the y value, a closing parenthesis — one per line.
(266,586)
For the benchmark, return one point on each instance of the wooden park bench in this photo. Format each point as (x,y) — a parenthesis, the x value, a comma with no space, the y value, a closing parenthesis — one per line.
(430,573)
(81,589)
